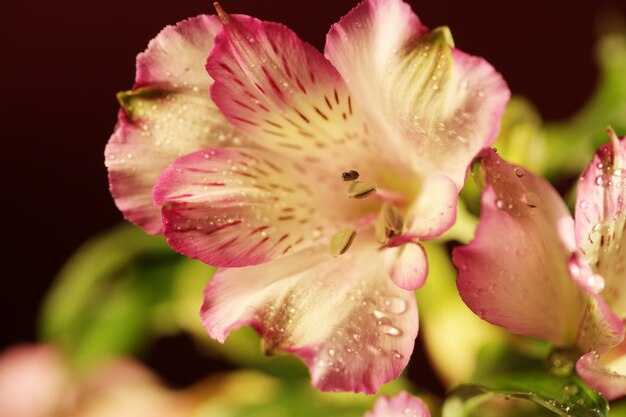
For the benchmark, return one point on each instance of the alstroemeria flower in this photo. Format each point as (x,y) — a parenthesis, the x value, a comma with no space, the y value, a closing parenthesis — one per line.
(265,185)
(536,272)
(401,405)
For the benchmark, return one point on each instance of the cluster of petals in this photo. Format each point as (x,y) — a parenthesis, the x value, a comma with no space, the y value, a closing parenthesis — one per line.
(237,160)
(535,271)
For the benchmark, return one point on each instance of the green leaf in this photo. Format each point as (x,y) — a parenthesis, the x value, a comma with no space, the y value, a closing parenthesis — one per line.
(104,300)
(506,374)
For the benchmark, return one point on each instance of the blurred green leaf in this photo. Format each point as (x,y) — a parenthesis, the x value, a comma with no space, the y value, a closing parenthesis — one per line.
(103,301)
(505,373)
(521,140)
(572,143)
(250,394)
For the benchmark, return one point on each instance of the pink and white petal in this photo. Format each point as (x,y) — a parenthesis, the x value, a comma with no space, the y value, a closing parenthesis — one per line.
(600,329)
(402,405)
(33,380)
(168,114)
(407,265)
(434,210)
(514,273)
(343,316)
(282,92)
(436,105)
(242,206)
(601,220)
(605,373)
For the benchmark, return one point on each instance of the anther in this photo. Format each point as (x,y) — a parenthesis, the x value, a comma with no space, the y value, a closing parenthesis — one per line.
(341,241)
(359,189)
(349,175)
(389,223)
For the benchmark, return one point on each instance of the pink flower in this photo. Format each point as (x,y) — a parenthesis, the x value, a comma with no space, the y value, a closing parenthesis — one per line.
(402,405)
(535,271)
(259,177)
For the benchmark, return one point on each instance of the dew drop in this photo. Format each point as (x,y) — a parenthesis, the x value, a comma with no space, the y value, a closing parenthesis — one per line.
(396,354)
(395,305)
(331,352)
(390,330)
(519,172)
(584,204)
(500,204)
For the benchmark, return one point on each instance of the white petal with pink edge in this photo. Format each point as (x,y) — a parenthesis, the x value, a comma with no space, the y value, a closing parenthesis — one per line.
(169,113)
(283,93)
(407,265)
(601,220)
(434,210)
(241,206)
(344,317)
(606,372)
(514,273)
(435,105)
(401,405)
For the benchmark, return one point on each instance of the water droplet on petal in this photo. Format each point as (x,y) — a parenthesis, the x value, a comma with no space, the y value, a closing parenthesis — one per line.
(331,353)
(519,172)
(500,204)
(396,354)
(395,305)
(390,330)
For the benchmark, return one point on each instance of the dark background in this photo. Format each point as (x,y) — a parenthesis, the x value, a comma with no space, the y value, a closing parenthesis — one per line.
(63,61)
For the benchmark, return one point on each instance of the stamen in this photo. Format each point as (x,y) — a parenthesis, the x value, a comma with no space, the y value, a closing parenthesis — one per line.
(341,241)
(224,17)
(392,217)
(359,189)
(389,223)
(349,175)
(612,135)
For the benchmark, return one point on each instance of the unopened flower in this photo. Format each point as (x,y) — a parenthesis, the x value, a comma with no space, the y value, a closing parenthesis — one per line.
(537,272)
(310,178)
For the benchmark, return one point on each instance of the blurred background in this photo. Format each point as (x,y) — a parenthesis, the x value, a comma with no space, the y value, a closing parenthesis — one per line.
(63,62)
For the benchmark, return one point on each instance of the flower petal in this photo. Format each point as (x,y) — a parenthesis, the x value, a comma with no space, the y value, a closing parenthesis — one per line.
(33,379)
(605,373)
(282,92)
(242,206)
(169,113)
(402,405)
(434,211)
(600,329)
(601,220)
(407,265)
(353,328)
(514,273)
(437,105)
